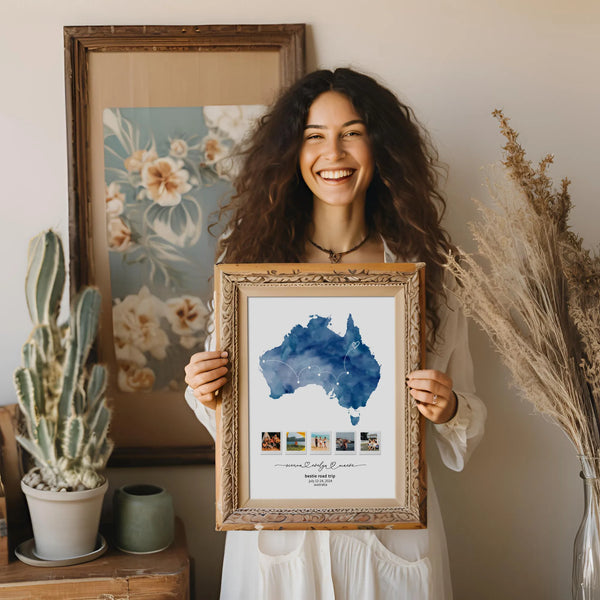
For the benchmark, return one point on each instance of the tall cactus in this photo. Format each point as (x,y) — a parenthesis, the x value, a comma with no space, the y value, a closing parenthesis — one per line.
(62,400)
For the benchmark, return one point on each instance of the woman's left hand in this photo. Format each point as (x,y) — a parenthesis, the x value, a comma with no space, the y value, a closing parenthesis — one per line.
(433,392)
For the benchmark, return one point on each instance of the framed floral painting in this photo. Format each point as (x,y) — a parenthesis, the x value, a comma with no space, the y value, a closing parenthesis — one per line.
(316,428)
(154,117)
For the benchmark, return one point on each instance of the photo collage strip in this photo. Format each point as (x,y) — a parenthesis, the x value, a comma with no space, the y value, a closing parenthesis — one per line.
(320,442)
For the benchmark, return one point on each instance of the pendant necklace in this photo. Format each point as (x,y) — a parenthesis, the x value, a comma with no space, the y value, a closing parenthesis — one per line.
(335,257)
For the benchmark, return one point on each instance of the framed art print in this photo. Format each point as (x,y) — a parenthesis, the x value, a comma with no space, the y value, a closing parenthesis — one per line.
(154,115)
(316,427)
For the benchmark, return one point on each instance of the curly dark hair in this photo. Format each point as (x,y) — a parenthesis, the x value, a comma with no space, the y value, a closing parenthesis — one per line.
(268,217)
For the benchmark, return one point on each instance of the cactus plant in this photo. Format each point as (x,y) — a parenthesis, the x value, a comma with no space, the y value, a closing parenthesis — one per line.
(62,400)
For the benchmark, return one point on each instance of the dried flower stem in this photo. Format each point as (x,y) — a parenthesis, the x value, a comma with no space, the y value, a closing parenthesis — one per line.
(538,296)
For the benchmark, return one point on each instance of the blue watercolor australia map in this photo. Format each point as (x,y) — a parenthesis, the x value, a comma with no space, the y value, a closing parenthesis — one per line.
(342,365)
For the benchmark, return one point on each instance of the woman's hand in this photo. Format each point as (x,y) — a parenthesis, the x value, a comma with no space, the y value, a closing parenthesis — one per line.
(433,392)
(205,374)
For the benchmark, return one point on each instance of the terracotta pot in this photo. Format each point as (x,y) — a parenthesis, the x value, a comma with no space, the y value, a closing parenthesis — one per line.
(65,524)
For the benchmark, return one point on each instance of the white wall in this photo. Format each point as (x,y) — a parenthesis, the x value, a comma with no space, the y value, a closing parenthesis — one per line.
(511,515)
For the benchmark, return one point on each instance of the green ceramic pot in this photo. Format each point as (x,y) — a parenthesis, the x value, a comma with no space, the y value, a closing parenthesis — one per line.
(144,520)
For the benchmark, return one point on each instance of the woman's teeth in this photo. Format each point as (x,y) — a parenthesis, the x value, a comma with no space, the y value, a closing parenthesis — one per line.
(338,174)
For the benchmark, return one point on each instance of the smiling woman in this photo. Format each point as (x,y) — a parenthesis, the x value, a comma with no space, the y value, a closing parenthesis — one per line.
(339,169)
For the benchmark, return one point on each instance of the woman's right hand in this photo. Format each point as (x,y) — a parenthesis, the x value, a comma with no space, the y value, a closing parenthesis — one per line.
(205,374)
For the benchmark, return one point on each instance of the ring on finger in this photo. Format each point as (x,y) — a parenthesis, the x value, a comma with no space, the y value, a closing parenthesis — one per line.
(435,399)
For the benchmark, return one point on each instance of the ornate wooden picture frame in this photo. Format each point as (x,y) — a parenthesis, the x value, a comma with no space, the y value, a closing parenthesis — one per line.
(148,105)
(316,428)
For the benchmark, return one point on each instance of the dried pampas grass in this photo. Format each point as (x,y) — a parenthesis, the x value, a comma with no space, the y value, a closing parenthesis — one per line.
(534,290)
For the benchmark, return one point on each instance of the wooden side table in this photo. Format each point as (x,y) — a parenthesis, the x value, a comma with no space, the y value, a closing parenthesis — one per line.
(115,575)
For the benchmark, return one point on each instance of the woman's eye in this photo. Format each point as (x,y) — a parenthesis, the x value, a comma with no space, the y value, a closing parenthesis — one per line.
(314,136)
(352,134)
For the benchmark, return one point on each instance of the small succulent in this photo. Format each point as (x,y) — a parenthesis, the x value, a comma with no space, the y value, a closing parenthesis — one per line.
(62,400)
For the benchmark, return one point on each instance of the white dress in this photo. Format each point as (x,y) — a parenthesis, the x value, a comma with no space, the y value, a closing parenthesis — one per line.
(364,565)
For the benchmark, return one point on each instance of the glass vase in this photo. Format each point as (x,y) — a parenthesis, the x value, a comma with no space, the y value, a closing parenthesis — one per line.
(586,550)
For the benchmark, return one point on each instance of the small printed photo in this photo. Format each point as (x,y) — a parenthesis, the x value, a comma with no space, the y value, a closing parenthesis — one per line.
(296,442)
(320,442)
(271,442)
(344,442)
(370,442)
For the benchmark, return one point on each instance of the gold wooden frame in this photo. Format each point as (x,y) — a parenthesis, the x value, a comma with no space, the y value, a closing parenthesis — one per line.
(234,285)
(130,66)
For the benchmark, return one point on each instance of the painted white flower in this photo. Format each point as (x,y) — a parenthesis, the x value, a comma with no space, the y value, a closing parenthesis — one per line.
(232,121)
(136,162)
(115,200)
(165,181)
(119,235)
(213,148)
(136,327)
(132,378)
(187,315)
(127,352)
(217,155)
(178,148)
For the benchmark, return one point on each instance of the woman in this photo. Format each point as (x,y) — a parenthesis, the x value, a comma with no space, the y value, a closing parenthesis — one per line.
(340,170)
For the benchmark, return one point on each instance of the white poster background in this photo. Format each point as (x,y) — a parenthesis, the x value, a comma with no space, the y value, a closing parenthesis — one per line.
(309,408)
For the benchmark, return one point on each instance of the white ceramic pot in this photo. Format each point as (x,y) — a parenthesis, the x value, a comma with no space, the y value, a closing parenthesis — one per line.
(65,524)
